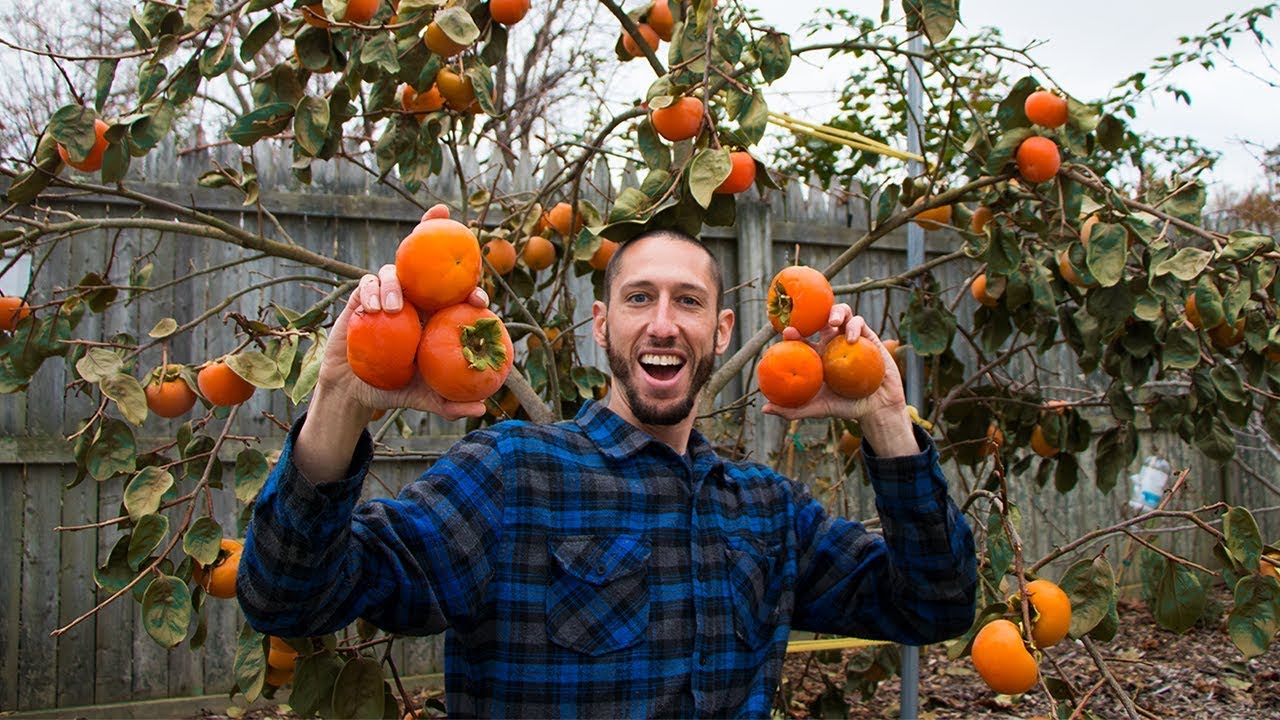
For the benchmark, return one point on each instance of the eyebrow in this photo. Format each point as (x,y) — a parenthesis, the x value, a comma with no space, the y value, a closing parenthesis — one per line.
(683,287)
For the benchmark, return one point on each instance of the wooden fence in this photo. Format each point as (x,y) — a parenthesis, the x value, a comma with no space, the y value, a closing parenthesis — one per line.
(46,578)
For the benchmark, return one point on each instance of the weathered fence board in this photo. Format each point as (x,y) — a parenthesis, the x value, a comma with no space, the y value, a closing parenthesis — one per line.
(345,216)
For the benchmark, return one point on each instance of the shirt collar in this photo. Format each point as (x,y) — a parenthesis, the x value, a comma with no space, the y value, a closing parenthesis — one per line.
(619,439)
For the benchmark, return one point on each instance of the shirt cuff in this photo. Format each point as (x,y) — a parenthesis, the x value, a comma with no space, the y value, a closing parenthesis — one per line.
(907,478)
(306,500)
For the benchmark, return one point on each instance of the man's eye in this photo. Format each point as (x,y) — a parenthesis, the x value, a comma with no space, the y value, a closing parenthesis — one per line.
(691,301)
(637,297)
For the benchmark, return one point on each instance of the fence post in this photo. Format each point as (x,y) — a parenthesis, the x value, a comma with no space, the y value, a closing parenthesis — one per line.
(755,243)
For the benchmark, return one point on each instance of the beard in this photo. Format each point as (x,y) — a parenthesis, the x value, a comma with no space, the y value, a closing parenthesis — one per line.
(651,413)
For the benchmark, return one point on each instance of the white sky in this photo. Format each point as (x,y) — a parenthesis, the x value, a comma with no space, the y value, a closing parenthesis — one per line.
(1089,46)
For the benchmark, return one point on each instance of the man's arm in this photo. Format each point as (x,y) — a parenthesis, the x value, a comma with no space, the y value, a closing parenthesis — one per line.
(916,585)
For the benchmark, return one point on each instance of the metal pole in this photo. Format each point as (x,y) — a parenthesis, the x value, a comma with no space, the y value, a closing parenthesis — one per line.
(915,364)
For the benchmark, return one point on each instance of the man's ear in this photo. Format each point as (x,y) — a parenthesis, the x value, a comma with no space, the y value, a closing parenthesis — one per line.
(598,311)
(724,330)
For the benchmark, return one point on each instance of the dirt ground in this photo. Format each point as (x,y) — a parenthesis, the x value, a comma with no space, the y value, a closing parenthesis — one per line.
(1196,675)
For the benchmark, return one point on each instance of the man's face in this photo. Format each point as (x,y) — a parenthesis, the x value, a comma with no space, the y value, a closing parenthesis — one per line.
(661,329)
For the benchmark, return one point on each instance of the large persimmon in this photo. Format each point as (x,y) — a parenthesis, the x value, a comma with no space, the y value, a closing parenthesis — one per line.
(361,11)
(852,369)
(649,35)
(1001,658)
(438,42)
(603,254)
(789,373)
(799,297)
(465,354)
(222,386)
(564,219)
(508,12)
(501,254)
(742,173)
(12,310)
(382,346)
(1038,159)
(420,103)
(219,577)
(93,161)
(438,264)
(168,395)
(1046,109)
(1052,613)
(680,120)
(539,253)
(661,20)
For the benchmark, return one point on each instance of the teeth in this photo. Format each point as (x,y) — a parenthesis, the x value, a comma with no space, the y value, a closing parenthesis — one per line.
(651,359)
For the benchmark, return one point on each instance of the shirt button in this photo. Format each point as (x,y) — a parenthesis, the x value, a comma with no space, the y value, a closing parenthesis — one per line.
(703,660)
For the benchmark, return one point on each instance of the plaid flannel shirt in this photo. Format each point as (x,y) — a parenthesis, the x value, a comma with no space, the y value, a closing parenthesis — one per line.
(584,569)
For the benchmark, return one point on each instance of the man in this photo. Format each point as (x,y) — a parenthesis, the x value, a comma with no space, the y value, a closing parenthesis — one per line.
(612,565)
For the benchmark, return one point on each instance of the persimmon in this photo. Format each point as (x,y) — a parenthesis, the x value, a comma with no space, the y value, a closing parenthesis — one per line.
(978,289)
(314,16)
(465,353)
(539,253)
(222,386)
(12,310)
(564,220)
(1225,336)
(277,677)
(1046,109)
(1052,617)
(420,103)
(650,38)
(361,11)
(1193,313)
(382,346)
(503,405)
(789,373)
(534,342)
(1069,273)
(1038,159)
(440,43)
(281,655)
(933,218)
(438,264)
(742,174)
(661,19)
(852,369)
(457,90)
(799,297)
(1040,445)
(168,395)
(600,258)
(501,254)
(219,578)
(898,352)
(508,12)
(981,216)
(1001,658)
(680,120)
(1266,569)
(93,161)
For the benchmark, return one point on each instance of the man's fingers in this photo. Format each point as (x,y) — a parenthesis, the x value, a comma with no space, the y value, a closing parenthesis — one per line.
(479,298)
(437,211)
(390,289)
(790,333)
(369,291)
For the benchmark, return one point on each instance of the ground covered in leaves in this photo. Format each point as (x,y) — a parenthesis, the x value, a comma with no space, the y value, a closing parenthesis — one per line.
(1199,674)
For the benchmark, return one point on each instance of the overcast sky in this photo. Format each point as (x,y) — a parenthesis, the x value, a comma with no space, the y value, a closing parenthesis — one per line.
(1090,45)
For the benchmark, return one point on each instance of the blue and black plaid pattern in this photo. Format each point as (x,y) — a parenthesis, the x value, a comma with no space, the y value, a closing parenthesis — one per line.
(584,569)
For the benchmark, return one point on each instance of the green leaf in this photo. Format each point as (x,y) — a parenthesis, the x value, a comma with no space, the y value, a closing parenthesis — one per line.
(250,666)
(1188,203)
(1179,597)
(264,122)
(456,22)
(1186,264)
(1245,244)
(127,393)
(197,12)
(313,684)
(145,491)
(655,152)
(251,474)
(1253,622)
(709,168)
(1241,538)
(1091,587)
(147,131)
(774,52)
(257,369)
(216,60)
(1106,253)
(166,610)
(754,118)
(482,82)
(1003,152)
(148,533)
(310,370)
(72,126)
(1214,438)
(259,35)
(627,205)
(1228,382)
(106,76)
(203,540)
(1110,133)
(999,548)
(115,573)
(98,364)
(380,52)
(936,18)
(150,76)
(1116,447)
(163,328)
(358,692)
(930,327)
(311,124)
(112,451)
(1181,349)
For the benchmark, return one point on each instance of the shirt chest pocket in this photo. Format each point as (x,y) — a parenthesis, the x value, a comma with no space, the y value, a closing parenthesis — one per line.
(763,596)
(598,595)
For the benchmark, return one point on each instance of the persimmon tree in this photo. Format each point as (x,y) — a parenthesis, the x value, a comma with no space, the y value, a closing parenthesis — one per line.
(1076,260)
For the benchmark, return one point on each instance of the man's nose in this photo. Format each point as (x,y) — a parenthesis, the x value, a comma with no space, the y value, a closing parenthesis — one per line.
(663,323)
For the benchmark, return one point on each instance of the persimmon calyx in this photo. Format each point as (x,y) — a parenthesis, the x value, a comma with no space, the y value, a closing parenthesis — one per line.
(781,304)
(482,346)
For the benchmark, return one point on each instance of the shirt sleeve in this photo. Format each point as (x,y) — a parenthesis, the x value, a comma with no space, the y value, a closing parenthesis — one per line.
(314,560)
(915,585)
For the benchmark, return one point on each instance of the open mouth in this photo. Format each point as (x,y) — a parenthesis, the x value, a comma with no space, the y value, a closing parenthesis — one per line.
(661,367)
